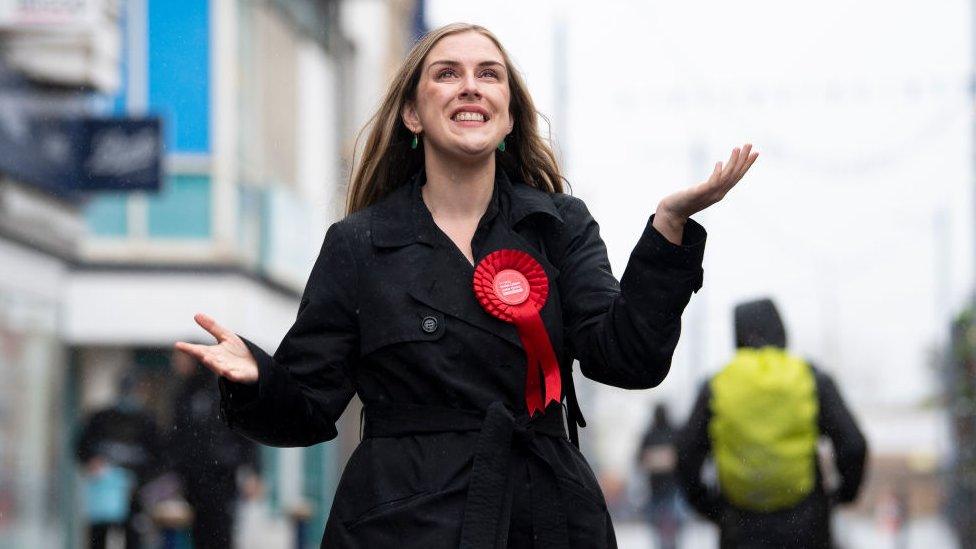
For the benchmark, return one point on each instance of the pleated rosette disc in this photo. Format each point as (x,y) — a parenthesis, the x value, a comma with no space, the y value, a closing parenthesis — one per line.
(510,284)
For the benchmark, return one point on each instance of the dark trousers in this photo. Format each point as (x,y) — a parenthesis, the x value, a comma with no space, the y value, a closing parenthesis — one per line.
(213,496)
(98,534)
(805,526)
(98,531)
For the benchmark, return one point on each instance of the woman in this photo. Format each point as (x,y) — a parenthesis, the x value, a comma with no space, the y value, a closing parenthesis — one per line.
(453,171)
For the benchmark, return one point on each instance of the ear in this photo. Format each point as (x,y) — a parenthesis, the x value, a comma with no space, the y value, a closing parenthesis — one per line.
(511,124)
(410,117)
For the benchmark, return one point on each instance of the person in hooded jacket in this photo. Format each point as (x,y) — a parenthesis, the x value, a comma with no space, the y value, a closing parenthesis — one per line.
(452,300)
(210,459)
(657,458)
(120,449)
(761,419)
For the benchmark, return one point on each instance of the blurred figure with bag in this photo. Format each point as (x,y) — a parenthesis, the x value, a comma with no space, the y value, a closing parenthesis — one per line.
(119,450)
(210,459)
(761,419)
(657,458)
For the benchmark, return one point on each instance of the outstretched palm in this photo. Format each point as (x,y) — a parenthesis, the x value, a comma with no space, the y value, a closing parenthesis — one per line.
(228,358)
(676,208)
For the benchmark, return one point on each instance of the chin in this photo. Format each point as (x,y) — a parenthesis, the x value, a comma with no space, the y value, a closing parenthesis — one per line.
(474,150)
(478,152)
(477,147)
(467,147)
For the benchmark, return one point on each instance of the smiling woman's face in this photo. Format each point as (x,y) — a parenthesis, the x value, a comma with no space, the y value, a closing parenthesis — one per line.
(462,98)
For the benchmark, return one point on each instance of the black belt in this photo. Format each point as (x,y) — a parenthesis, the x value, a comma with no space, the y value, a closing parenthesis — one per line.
(490,492)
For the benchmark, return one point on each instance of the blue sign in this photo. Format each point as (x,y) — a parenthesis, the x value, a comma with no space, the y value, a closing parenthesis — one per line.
(71,155)
(119,155)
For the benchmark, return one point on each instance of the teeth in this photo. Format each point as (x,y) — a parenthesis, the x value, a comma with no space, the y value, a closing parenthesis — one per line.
(469,116)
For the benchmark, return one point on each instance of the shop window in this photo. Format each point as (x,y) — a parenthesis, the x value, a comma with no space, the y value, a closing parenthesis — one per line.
(182,209)
(106,215)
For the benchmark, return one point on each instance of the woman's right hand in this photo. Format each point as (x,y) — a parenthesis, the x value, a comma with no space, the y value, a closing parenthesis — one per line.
(228,358)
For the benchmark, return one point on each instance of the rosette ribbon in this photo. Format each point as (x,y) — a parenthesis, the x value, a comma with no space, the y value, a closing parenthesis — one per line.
(512,286)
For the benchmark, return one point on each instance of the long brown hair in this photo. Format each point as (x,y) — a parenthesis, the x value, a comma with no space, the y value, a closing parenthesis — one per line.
(388,161)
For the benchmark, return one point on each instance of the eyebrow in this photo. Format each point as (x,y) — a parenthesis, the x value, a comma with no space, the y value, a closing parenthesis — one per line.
(453,63)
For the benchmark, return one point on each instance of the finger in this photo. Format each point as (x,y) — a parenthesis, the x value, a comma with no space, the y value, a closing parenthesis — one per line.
(716,174)
(210,325)
(752,160)
(713,181)
(731,174)
(731,164)
(735,181)
(743,158)
(748,164)
(205,355)
(744,161)
(199,352)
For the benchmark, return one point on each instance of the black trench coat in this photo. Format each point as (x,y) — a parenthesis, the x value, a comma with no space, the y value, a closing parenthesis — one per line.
(449,457)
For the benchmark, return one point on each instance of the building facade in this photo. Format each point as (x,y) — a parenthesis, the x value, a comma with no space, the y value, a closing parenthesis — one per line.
(256,104)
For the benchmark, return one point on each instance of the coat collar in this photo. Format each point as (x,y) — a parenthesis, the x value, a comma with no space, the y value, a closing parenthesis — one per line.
(526,201)
(398,219)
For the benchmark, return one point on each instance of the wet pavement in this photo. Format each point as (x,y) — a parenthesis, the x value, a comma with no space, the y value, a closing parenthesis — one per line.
(850,532)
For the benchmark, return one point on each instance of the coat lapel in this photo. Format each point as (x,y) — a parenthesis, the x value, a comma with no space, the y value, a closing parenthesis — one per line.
(503,237)
(436,273)
(447,286)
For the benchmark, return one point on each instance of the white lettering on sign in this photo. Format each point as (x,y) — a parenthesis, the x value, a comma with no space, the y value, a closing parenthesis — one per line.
(116,153)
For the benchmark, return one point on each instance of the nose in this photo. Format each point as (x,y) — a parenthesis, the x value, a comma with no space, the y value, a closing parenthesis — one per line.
(469,87)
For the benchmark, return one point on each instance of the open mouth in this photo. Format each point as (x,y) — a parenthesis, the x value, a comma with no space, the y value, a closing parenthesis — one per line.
(469,116)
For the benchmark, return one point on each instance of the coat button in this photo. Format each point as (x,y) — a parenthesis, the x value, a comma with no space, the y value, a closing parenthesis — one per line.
(429,324)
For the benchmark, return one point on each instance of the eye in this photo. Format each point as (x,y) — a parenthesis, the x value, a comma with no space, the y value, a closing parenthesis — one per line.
(489,73)
(443,73)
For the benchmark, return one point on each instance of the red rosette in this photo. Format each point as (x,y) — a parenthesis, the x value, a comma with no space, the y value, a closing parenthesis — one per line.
(512,286)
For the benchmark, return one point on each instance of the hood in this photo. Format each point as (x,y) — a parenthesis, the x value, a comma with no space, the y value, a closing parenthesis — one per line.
(758,324)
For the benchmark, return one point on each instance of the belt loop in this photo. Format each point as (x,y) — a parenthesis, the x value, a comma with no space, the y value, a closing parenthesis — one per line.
(362,414)
(569,422)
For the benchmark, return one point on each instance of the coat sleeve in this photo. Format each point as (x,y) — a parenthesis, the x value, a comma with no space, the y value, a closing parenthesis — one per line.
(624,334)
(304,387)
(693,446)
(850,446)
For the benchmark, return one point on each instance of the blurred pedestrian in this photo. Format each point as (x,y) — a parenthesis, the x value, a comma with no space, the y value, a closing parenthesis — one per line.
(657,457)
(454,299)
(761,418)
(210,459)
(119,450)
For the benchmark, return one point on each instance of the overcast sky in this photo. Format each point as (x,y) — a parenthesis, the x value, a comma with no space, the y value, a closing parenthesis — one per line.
(857,217)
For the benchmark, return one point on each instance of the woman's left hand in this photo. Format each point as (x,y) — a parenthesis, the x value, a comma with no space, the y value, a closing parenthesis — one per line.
(675,209)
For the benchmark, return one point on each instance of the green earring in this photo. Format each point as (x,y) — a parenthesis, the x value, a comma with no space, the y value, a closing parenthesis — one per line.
(415,142)
(501,146)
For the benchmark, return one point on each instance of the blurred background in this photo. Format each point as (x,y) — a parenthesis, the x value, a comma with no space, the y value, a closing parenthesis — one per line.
(160,158)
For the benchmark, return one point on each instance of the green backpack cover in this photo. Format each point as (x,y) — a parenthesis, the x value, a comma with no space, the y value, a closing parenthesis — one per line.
(764,429)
